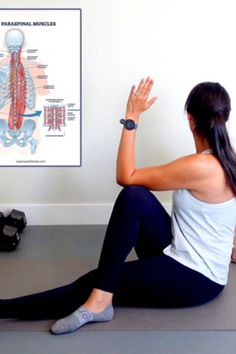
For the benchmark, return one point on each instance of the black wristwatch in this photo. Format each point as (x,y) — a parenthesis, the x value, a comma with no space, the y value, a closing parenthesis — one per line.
(129,124)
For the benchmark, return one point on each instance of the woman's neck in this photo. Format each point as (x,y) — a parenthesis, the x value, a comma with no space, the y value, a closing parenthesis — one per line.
(201,143)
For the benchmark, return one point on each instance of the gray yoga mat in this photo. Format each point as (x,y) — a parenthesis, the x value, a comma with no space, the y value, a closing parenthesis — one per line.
(48,258)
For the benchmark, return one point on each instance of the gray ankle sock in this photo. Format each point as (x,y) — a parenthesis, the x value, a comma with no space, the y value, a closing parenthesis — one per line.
(81,317)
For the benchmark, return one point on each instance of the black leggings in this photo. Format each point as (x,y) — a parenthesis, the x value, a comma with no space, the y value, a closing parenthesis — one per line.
(153,280)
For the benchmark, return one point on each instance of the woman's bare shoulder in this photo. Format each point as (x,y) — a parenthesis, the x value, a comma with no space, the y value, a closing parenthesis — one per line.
(214,187)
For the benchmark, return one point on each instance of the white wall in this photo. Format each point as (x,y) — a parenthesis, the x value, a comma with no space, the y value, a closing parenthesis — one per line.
(179,43)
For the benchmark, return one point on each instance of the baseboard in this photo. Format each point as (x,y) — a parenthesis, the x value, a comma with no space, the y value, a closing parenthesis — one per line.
(65,214)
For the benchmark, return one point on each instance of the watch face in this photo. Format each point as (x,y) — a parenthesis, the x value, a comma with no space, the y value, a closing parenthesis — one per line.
(129,124)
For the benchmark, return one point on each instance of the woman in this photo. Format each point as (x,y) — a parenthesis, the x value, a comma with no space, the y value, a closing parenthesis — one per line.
(183,260)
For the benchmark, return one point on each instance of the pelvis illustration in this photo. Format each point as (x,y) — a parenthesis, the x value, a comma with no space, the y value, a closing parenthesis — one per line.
(17,90)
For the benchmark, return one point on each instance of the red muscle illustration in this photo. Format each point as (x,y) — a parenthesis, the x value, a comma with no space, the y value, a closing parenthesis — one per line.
(18,91)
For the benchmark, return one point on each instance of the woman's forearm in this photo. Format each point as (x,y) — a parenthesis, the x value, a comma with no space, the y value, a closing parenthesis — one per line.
(126,157)
(137,103)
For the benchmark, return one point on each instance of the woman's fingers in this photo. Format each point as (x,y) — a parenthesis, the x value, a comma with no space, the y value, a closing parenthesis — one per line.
(151,101)
(138,100)
(144,87)
(132,91)
(131,94)
(140,87)
(148,86)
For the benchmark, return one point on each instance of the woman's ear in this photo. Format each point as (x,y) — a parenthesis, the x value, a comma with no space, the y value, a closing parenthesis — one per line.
(192,122)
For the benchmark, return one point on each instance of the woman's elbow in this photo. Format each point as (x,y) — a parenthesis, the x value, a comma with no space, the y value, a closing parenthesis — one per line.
(126,179)
(122,181)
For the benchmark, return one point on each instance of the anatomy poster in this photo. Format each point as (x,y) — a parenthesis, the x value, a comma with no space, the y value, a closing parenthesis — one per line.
(40,87)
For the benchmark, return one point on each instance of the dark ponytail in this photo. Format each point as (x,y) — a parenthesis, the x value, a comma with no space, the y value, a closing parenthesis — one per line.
(209,104)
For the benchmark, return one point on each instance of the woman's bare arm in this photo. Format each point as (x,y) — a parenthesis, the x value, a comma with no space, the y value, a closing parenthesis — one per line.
(188,172)
(138,102)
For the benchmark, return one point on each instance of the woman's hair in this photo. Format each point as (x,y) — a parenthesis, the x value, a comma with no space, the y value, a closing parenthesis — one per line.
(209,104)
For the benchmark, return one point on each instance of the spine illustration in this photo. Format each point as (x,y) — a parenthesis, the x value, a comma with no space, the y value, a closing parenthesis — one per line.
(54,117)
(17,89)
(20,86)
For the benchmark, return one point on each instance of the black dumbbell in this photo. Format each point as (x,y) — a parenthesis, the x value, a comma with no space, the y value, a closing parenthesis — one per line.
(9,238)
(10,227)
(2,220)
(17,219)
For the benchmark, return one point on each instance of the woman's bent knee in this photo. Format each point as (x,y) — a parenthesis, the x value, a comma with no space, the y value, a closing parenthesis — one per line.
(133,191)
(138,194)
(134,194)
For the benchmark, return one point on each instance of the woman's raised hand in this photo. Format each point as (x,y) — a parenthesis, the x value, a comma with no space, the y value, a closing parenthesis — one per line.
(138,100)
